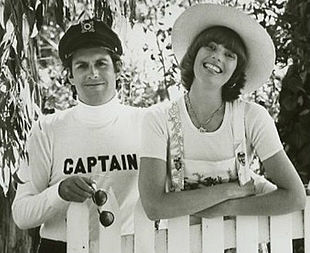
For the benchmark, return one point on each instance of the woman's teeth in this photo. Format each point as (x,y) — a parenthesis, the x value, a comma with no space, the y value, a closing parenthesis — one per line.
(212,67)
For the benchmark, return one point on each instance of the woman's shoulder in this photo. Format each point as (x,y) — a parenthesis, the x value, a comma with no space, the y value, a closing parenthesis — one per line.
(251,108)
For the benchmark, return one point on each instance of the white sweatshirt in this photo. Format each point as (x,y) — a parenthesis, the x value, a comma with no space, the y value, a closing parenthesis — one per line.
(98,141)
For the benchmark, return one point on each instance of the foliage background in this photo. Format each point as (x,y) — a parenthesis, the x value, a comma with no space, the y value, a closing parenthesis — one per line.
(33,82)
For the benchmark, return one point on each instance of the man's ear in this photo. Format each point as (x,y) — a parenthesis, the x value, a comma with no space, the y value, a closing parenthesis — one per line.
(70,76)
(117,75)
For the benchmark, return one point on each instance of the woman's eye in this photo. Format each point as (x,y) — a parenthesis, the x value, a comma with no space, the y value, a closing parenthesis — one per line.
(231,55)
(212,46)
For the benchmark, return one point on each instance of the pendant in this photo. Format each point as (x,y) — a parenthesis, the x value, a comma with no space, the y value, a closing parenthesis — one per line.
(202,130)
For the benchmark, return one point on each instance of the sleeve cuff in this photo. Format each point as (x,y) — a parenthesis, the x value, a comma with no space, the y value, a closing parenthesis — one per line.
(271,154)
(54,198)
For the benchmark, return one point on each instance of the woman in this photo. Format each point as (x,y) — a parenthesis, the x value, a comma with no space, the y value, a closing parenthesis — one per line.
(209,136)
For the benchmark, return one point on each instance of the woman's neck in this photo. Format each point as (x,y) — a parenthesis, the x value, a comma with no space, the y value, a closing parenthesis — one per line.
(205,101)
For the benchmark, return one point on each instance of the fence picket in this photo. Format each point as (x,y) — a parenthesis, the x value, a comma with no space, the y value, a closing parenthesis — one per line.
(307,225)
(281,234)
(179,235)
(247,234)
(213,235)
(77,228)
(110,237)
(144,231)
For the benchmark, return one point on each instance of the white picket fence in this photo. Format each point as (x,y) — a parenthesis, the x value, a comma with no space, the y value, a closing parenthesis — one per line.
(212,236)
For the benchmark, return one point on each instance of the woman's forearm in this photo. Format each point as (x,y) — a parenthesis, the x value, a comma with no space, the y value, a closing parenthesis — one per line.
(159,204)
(174,204)
(280,201)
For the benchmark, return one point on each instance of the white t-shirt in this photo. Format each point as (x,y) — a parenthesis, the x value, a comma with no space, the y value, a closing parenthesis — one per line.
(213,147)
(84,140)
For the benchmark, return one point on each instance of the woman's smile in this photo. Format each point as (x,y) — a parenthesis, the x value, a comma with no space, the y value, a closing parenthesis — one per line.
(214,64)
(212,67)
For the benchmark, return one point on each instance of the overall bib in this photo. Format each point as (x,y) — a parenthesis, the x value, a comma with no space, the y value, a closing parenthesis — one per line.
(208,173)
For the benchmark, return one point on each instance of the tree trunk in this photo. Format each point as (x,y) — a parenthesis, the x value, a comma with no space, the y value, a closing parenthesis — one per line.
(12,239)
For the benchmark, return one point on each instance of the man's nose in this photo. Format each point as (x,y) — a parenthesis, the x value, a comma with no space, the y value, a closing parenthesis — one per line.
(93,72)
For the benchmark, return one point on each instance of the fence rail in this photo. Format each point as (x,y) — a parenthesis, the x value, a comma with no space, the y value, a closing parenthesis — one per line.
(211,236)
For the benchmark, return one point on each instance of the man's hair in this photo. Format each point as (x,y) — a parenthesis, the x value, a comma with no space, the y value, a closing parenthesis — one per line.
(116,60)
(230,40)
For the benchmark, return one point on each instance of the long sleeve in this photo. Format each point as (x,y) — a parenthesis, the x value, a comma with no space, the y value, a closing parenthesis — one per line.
(36,201)
(31,209)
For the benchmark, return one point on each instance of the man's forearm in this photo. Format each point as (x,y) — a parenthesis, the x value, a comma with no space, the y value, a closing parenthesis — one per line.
(30,210)
(278,202)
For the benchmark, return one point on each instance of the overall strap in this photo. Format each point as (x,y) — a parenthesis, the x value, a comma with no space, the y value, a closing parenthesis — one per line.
(238,129)
(175,152)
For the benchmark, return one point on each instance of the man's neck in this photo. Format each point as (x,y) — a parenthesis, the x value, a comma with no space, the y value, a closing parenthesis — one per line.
(99,101)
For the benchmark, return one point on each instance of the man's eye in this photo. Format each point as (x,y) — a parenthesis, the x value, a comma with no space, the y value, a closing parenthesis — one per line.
(102,63)
(81,66)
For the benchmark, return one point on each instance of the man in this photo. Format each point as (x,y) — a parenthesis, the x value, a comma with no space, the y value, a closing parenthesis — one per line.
(98,140)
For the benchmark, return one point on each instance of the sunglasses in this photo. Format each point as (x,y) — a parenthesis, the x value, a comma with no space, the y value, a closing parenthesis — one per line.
(100,197)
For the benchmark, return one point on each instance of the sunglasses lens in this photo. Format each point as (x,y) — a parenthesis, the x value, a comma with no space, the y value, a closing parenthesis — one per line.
(106,218)
(99,197)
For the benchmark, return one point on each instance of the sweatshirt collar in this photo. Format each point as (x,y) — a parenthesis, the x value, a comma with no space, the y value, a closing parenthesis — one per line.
(98,114)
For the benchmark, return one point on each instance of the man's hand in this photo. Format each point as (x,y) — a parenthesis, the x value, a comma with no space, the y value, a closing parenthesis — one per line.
(76,189)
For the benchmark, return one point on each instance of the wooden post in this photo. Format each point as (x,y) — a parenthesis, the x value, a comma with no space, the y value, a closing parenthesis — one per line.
(110,237)
(307,225)
(178,235)
(77,228)
(213,235)
(247,234)
(281,234)
(144,231)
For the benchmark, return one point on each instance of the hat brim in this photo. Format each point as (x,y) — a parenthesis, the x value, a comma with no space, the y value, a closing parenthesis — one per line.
(259,45)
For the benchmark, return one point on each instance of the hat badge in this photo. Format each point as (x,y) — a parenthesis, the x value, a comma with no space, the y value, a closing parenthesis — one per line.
(87,26)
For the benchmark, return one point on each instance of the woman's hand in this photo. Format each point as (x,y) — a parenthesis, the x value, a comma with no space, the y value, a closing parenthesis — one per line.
(243,191)
(159,204)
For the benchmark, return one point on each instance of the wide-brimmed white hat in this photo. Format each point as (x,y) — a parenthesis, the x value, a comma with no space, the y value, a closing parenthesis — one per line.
(259,45)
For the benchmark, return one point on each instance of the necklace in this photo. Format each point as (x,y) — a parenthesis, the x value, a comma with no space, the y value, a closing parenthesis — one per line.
(202,127)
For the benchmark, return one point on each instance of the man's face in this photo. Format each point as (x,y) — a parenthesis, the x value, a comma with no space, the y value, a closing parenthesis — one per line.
(93,75)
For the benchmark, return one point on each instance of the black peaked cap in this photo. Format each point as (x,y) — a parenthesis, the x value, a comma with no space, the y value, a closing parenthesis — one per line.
(87,34)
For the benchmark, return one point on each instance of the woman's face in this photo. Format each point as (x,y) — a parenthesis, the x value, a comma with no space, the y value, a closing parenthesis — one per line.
(214,65)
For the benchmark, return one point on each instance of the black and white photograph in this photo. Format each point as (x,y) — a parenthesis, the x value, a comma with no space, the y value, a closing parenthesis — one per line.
(155,126)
